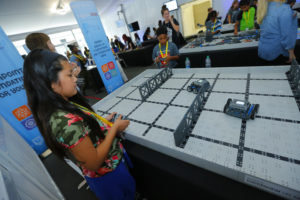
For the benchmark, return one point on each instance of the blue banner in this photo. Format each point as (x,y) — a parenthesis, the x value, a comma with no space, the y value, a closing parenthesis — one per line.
(13,101)
(88,19)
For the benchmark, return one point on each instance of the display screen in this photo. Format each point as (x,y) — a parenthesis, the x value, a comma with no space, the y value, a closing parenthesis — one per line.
(134,26)
(171,5)
(240,103)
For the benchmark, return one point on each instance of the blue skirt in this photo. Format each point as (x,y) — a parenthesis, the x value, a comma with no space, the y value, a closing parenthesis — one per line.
(115,185)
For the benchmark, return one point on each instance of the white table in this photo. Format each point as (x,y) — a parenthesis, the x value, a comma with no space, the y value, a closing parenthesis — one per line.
(199,49)
(265,155)
(226,28)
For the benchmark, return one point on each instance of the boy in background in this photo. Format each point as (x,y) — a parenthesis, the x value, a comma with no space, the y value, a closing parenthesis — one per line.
(246,18)
(214,25)
(165,53)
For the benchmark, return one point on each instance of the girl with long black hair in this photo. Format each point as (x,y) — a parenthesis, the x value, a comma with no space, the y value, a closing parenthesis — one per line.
(72,129)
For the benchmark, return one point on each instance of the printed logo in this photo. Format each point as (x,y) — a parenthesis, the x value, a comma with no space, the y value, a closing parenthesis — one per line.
(104,68)
(111,65)
(113,72)
(37,141)
(29,123)
(107,76)
(21,112)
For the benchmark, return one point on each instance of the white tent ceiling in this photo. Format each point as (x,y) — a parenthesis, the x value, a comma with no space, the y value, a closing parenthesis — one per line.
(19,16)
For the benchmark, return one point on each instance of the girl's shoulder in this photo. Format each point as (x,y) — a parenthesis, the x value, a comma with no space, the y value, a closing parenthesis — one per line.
(68,128)
(62,118)
(59,114)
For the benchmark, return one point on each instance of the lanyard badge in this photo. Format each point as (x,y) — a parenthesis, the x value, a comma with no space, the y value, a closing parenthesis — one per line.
(163,56)
(102,119)
(247,19)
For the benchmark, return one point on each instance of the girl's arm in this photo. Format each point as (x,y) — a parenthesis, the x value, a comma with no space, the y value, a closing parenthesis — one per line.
(229,19)
(216,32)
(237,23)
(91,157)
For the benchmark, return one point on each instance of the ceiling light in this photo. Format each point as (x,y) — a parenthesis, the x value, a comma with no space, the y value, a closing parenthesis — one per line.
(60,8)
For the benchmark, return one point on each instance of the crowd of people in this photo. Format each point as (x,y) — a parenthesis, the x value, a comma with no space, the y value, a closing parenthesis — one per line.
(75,56)
(243,14)
(275,19)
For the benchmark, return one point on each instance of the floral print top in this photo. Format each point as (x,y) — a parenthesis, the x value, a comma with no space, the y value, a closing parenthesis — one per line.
(70,129)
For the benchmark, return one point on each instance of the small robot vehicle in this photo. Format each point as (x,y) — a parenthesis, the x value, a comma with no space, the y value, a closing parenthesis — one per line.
(241,109)
(197,86)
(116,117)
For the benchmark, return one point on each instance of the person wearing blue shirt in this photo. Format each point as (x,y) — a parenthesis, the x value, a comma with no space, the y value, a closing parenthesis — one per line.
(165,54)
(77,57)
(213,25)
(278,31)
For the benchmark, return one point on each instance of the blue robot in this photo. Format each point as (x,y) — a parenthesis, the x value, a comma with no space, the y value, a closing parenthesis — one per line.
(241,109)
(199,85)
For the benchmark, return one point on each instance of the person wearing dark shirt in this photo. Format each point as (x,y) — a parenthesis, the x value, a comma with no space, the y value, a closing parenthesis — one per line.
(159,23)
(112,44)
(147,35)
(128,42)
(209,11)
(154,30)
(172,26)
(119,44)
(233,12)
(87,53)
(137,40)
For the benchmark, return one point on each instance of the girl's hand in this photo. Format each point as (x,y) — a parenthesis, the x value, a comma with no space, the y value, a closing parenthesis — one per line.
(171,19)
(109,117)
(120,124)
(157,59)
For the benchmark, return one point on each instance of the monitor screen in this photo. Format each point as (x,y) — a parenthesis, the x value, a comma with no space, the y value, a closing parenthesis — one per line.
(134,26)
(171,5)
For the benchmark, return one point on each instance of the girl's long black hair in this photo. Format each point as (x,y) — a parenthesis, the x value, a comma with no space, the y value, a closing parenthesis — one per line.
(41,68)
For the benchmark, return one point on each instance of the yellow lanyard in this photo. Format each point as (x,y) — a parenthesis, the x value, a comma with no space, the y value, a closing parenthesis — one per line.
(102,119)
(214,26)
(247,19)
(161,53)
(79,57)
